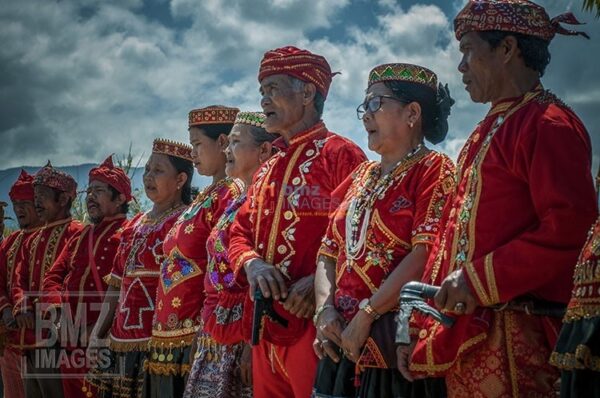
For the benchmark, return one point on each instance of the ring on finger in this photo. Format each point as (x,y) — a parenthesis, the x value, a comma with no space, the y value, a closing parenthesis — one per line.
(460,307)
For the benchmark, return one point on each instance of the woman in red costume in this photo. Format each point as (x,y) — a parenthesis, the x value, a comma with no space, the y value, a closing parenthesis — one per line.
(127,318)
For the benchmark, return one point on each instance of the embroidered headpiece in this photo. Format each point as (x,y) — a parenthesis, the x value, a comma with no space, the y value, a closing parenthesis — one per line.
(518,16)
(251,118)
(301,64)
(405,73)
(113,176)
(214,114)
(172,148)
(50,177)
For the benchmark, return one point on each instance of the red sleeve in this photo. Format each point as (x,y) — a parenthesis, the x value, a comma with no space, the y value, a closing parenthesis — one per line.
(115,276)
(21,277)
(346,158)
(241,248)
(555,162)
(54,278)
(433,188)
(5,301)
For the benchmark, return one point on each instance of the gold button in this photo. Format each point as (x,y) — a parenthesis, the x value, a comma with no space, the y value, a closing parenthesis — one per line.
(282,249)
(288,215)
(296,181)
(422,333)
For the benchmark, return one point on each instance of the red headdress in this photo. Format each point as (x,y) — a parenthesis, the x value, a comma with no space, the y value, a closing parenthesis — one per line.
(301,64)
(54,178)
(172,148)
(113,176)
(22,189)
(518,16)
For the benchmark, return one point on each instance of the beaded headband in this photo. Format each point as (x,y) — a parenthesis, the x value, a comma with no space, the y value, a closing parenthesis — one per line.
(214,114)
(172,148)
(404,73)
(251,118)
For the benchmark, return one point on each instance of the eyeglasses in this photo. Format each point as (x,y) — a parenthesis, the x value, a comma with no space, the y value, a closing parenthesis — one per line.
(373,105)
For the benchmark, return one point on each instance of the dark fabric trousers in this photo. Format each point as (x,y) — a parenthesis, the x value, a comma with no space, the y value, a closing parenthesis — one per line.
(42,381)
(338,381)
(580,383)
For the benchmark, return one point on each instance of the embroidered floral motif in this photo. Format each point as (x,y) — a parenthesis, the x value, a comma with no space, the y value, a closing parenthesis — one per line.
(176,269)
(176,302)
(399,204)
(347,304)
(225,315)
(219,273)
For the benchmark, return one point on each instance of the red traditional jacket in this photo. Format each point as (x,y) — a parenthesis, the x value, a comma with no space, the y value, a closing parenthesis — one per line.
(516,223)
(226,290)
(406,213)
(36,256)
(180,294)
(8,254)
(136,271)
(286,213)
(71,278)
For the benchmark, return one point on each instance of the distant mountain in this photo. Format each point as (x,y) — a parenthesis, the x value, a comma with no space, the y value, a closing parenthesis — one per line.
(80,173)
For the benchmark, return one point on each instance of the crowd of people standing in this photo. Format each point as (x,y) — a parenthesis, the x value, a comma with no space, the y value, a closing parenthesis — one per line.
(282,277)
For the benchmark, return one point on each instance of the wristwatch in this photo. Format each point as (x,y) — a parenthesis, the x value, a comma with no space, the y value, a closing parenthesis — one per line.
(365,305)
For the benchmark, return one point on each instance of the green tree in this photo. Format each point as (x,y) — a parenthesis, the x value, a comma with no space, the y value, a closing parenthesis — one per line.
(591,5)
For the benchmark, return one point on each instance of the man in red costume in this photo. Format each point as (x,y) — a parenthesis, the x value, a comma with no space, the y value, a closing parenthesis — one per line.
(21,196)
(519,216)
(54,192)
(74,285)
(277,232)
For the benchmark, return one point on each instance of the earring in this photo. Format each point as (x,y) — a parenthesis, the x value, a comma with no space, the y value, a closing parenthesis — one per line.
(411,124)
(178,187)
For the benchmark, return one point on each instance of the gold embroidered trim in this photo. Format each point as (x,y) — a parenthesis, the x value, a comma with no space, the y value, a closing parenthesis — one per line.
(167,369)
(432,369)
(581,359)
(376,220)
(112,280)
(508,327)
(175,338)
(481,293)
(491,278)
(275,359)
(583,310)
(249,255)
(270,254)
(127,346)
(326,253)
(424,239)
(11,254)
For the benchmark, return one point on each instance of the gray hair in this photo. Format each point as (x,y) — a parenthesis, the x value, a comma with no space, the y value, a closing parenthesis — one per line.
(318,102)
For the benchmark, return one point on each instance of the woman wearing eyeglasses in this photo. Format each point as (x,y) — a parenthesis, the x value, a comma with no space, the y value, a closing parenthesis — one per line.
(379,237)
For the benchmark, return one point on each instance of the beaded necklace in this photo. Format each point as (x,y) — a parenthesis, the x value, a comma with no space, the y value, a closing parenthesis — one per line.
(358,216)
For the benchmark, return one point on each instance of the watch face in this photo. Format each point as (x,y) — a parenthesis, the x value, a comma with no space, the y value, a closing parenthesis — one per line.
(363,303)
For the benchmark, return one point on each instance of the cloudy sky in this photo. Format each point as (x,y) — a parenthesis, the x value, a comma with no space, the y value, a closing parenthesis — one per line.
(80,79)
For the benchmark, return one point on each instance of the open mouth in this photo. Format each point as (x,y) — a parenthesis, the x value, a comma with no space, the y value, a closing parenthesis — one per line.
(371,131)
(269,114)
